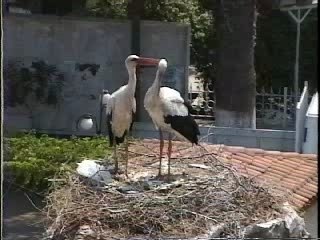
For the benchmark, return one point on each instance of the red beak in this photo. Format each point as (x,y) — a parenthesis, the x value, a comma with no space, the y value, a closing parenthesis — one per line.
(148,61)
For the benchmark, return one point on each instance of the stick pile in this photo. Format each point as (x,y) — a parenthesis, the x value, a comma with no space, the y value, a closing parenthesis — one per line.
(187,207)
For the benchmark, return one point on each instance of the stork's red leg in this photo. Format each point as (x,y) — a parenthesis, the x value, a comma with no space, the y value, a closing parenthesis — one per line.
(127,156)
(161,150)
(169,155)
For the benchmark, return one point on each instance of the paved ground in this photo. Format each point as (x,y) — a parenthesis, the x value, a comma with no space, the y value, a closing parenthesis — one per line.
(20,219)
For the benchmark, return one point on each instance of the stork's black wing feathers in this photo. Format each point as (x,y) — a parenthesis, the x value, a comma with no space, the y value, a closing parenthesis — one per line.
(110,133)
(121,139)
(185,125)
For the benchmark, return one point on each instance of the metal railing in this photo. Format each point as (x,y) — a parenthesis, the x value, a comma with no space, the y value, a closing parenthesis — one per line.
(275,109)
(203,102)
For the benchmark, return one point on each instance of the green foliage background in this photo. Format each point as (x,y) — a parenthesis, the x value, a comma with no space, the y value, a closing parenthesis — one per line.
(35,159)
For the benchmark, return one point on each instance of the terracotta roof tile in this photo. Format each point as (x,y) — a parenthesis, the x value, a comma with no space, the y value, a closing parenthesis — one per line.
(274,174)
(240,158)
(234,149)
(311,187)
(276,153)
(256,168)
(287,171)
(254,151)
(307,168)
(310,156)
(298,203)
(301,198)
(252,172)
(289,163)
(292,183)
(270,177)
(261,164)
(244,155)
(293,173)
(310,165)
(304,192)
(301,171)
(290,154)
(280,173)
(272,158)
(261,158)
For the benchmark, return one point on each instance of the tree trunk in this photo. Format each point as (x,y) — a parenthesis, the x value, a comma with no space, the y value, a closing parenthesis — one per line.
(235,87)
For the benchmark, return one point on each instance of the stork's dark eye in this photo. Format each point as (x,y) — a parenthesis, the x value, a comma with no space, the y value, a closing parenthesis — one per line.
(134,59)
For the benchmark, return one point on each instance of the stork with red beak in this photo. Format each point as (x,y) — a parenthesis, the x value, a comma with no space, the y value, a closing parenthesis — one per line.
(121,107)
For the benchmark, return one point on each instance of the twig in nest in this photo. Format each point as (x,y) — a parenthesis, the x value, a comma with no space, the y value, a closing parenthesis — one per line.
(198,214)
(144,154)
(32,203)
(155,212)
(231,170)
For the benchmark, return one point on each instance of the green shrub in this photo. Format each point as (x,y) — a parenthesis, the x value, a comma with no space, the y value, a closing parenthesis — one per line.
(35,159)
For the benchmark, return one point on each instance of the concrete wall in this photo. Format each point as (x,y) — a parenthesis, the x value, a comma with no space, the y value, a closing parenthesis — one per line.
(277,140)
(178,64)
(66,42)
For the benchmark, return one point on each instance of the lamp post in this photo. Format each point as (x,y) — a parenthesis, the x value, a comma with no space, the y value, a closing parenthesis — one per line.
(298,19)
(87,120)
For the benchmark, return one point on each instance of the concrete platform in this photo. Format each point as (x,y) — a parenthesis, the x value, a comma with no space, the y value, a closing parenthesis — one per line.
(21,220)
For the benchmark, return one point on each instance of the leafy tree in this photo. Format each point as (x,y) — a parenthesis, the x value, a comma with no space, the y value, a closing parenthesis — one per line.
(202,30)
(116,9)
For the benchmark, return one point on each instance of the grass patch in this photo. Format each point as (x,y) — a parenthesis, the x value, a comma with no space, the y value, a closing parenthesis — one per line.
(33,159)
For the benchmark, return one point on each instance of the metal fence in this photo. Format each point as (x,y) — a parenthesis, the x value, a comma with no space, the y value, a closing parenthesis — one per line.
(275,109)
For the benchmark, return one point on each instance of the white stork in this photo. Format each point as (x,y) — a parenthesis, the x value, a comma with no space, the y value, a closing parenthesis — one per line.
(121,106)
(170,113)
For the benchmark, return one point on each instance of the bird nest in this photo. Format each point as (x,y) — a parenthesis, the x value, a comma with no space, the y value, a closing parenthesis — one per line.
(188,206)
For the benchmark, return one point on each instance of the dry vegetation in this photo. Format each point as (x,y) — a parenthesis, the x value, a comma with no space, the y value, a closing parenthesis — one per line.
(189,206)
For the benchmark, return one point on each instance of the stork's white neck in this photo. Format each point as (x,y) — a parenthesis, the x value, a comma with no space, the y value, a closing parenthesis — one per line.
(157,82)
(132,80)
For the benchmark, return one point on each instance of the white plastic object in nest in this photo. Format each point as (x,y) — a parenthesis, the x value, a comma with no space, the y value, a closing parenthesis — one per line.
(90,169)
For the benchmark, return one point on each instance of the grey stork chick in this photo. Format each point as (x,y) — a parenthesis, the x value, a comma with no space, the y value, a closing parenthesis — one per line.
(169,112)
(121,107)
